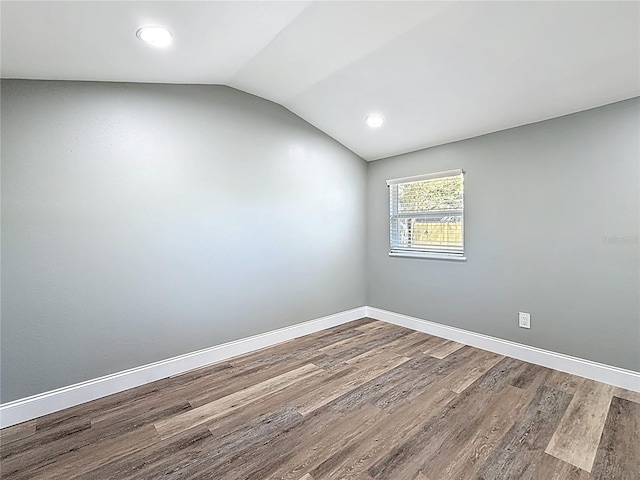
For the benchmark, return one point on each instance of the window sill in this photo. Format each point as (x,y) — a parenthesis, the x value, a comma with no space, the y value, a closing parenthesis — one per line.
(426,255)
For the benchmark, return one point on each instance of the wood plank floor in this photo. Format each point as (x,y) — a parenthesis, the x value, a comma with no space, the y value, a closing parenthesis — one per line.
(366,400)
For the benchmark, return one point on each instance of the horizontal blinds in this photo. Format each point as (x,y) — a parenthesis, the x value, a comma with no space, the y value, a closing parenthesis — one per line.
(426,213)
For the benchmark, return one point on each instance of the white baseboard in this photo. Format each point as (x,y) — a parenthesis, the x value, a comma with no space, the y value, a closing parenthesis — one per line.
(35,406)
(619,377)
(42,404)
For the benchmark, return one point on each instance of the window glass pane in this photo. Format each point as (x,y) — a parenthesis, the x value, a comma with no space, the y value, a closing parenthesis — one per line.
(429,195)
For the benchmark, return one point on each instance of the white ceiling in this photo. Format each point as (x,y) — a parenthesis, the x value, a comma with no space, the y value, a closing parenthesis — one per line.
(438,71)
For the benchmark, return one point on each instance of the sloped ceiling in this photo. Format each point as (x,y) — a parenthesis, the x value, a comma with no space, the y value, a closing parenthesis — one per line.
(437,71)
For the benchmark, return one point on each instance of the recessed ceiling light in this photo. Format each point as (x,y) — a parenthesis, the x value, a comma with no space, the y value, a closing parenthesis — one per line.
(375,120)
(155,35)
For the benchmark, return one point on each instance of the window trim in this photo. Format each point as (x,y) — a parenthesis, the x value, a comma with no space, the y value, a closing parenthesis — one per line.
(428,255)
(434,255)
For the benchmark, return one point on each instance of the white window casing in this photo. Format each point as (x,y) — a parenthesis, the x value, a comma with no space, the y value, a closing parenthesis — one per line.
(426,216)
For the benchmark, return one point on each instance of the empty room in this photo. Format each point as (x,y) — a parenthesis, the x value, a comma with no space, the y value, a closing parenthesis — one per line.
(315,240)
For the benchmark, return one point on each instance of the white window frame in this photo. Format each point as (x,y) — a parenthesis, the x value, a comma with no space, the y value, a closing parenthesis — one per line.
(398,251)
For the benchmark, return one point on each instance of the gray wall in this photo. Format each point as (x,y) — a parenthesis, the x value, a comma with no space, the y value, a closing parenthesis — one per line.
(552,226)
(141,222)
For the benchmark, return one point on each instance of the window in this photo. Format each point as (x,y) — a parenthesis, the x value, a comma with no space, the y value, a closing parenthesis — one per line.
(426,215)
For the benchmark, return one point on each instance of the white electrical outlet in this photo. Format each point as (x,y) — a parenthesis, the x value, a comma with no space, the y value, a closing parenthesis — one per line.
(524,320)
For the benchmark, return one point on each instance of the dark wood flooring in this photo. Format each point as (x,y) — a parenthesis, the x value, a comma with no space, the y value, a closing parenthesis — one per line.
(362,401)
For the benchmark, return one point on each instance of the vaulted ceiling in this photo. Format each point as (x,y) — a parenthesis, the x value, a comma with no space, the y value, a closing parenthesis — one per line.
(437,71)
